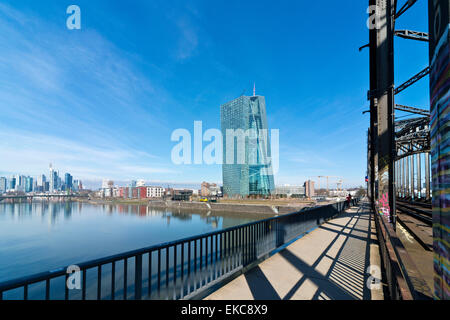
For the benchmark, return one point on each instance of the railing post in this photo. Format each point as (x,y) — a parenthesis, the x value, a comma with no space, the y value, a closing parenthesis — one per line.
(113,280)
(279,231)
(427,176)
(138,277)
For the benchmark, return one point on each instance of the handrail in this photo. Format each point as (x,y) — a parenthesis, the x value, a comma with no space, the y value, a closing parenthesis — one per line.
(394,257)
(235,248)
(398,287)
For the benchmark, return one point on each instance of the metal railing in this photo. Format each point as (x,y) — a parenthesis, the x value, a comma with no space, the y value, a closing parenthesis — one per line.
(394,258)
(180,269)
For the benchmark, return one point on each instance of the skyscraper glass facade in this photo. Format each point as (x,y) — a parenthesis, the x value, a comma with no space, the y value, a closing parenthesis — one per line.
(68,181)
(12,183)
(52,185)
(247,167)
(28,184)
(3,184)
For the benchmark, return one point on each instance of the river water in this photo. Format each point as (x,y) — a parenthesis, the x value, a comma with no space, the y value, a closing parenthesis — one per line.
(41,236)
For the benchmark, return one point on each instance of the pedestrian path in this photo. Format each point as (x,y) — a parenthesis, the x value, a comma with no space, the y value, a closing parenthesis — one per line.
(330,262)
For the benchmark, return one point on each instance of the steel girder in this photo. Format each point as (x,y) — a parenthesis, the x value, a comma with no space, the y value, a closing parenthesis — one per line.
(412,136)
(413,80)
(412,35)
(422,112)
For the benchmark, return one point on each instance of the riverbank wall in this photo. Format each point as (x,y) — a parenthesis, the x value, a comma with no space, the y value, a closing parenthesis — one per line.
(225,207)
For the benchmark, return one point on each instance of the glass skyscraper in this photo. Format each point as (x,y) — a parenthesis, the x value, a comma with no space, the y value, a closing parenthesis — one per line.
(68,181)
(247,167)
(3,184)
(28,184)
(52,185)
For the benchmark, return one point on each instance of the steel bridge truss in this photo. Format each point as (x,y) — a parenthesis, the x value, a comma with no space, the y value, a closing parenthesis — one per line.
(412,35)
(412,136)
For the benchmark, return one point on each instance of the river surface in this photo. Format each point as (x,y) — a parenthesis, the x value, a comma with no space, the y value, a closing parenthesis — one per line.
(42,236)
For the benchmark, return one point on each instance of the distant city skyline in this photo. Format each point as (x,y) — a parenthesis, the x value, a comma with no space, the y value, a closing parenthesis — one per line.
(52,181)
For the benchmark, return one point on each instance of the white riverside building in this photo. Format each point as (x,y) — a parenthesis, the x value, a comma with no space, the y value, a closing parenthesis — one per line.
(289,190)
(155,192)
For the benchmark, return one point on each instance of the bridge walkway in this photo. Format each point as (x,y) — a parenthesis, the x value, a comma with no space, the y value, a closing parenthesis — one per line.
(330,262)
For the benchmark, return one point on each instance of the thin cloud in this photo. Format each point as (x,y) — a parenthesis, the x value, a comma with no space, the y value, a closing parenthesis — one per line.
(36,152)
(74,99)
(188,41)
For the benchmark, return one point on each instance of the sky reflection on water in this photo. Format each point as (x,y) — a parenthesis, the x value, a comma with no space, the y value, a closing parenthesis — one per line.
(41,236)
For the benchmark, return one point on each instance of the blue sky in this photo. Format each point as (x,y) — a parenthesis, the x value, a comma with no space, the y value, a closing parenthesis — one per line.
(103,101)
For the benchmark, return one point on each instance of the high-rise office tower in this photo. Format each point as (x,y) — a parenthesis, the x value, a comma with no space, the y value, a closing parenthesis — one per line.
(58,182)
(309,189)
(75,185)
(20,183)
(51,181)
(3,185)
(12,183)
(247,166)
(17,182)
(68,181)
(40,183)
(40,180)
(28,184)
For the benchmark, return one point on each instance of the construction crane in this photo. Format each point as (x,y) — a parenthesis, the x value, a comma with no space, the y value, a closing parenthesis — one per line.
(339,182)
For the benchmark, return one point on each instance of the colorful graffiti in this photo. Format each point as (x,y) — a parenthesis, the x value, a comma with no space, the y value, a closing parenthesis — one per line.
(383,204)
(440,143)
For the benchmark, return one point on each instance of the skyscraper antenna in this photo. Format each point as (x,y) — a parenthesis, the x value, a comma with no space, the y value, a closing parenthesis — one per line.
(254,89)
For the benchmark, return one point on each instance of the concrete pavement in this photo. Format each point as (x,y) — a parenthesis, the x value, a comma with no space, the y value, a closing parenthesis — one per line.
(330,262)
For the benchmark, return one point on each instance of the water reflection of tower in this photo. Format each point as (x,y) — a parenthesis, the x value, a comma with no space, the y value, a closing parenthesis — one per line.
(228,222)
(28,209)
(39,208)
(53,210)
(155,212)
(44,209)
(16,211)
(67,210)
(181,215)
(213,221)
(3,209)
